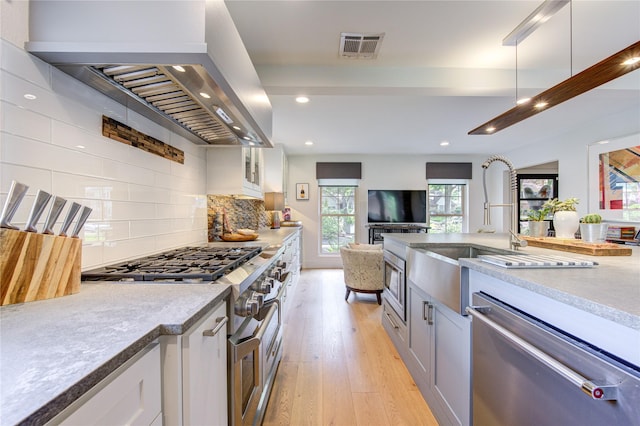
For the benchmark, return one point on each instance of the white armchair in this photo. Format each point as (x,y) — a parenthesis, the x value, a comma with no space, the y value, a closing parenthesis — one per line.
(363,270)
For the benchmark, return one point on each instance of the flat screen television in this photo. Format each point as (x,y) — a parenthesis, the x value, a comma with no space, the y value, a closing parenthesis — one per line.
(397,206)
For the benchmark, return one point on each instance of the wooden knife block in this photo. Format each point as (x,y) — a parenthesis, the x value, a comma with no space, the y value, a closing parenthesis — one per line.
(38,266)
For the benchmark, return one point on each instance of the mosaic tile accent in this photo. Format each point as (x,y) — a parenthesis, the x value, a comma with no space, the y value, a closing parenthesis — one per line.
(122,133)
(241,213)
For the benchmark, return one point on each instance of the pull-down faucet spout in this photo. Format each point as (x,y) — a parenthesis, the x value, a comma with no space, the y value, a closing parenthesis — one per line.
(514,241)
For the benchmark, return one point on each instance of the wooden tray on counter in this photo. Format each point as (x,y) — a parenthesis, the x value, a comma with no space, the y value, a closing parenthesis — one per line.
(579,246)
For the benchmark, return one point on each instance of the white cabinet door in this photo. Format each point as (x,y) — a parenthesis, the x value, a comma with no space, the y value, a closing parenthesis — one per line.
(131,395)
(204,371)
(451,357)
(420,341)
(234,171)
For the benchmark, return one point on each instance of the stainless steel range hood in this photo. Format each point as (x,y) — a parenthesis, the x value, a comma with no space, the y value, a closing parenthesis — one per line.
(180,63)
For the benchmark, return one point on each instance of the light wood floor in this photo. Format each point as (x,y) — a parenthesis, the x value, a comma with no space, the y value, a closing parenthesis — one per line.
(339,367)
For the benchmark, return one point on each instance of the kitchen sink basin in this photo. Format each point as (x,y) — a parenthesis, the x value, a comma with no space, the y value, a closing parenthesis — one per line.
(436,271)
(466,252)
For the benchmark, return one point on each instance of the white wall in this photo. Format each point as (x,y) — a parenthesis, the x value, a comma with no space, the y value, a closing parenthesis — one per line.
(408,172)
(141,203)
(381,172)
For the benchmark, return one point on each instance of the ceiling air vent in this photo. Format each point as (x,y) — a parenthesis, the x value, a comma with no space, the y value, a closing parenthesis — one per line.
(360,46)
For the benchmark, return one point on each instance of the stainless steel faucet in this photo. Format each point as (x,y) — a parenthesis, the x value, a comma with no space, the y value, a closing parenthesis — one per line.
(514,241)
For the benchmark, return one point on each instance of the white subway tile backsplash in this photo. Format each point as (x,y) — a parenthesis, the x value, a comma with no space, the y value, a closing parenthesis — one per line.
(92,255)
(25,65)
(117,170)
(145,228)
(114,230)
(142,203)
(115,251)
(74,138)
(147,194)
(27,152)
(25,123)
(85,187)
(127,210)
(34,178)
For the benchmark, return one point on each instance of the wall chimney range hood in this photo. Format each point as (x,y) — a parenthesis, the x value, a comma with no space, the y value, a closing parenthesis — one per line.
(181,63)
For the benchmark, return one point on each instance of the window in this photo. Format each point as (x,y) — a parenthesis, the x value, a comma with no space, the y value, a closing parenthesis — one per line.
(447,208)
(338,217)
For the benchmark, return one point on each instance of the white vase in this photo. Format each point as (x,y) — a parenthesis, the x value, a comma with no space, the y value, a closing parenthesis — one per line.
(566,224)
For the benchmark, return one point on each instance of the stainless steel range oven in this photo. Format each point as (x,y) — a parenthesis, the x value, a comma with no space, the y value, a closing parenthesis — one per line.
(256,348)
(258,280)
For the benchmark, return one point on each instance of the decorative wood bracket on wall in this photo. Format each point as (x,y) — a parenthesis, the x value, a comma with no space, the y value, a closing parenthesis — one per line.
(122,133)
(602,72)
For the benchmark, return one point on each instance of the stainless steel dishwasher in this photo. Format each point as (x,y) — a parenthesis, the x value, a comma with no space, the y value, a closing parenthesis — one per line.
(526,372)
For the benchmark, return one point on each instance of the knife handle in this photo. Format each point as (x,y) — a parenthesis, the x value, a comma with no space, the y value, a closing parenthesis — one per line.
(56,208)
(84,215)
(16,193)
(73,209)
(42,198)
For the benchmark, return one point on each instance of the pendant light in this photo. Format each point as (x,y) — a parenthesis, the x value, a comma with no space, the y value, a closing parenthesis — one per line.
(616,65)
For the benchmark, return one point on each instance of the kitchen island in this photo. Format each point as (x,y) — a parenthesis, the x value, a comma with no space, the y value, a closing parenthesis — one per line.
(53,351)
(599,305)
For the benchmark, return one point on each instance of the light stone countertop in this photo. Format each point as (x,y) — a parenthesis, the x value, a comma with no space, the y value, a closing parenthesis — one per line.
(610,290)
(53,351)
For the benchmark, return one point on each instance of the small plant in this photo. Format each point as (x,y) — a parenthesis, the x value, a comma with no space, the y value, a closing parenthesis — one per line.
(555,205)
(591,218)
(538,215)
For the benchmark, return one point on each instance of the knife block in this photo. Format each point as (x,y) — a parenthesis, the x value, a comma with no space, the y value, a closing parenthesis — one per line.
(38,266)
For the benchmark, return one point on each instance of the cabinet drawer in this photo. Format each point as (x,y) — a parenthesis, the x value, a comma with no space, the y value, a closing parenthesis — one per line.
(394,326)
(130,395)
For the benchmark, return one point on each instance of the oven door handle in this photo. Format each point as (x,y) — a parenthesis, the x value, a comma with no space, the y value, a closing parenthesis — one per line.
(241,349)
(603,392)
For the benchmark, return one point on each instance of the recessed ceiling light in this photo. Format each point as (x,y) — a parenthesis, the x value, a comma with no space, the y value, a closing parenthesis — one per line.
(302,99)
(236,127)
(178,68)
(444,143)
(30,96)
(603,142)
(490,129)
(522,101)
(80,146)
(541,104)
(308,143)
(205,95)
(632,61)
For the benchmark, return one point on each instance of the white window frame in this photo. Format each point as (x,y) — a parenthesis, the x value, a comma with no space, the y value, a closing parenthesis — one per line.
(465,200)
(321,216)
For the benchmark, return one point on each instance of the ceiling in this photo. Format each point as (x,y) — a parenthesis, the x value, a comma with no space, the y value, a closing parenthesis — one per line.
(441,71)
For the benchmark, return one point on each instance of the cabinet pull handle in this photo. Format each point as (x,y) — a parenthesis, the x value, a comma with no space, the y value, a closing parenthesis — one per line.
(428,316)
(221,322)
(427,312)
(393,324)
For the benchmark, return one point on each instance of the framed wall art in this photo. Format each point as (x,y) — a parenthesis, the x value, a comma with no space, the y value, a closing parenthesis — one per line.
(614,179)
(302,191)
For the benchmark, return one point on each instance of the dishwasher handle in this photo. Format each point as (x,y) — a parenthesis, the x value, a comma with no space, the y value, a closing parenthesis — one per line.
(602,392)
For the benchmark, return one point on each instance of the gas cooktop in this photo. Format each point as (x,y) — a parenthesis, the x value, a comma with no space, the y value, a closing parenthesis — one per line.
(187,265)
